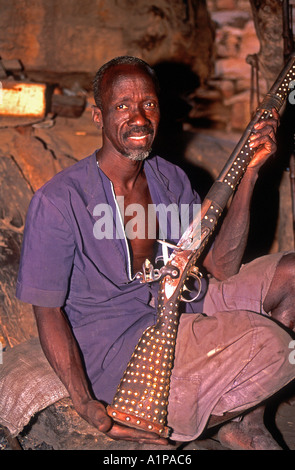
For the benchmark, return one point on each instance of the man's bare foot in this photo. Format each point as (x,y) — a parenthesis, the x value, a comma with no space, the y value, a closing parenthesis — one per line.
(248,434)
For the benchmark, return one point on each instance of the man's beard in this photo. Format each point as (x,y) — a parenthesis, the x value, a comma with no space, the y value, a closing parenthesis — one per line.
(137,155)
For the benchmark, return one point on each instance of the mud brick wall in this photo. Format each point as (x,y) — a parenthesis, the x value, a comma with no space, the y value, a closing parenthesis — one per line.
(225,101)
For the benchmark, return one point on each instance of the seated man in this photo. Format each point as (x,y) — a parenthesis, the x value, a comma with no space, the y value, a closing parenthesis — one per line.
(78,270)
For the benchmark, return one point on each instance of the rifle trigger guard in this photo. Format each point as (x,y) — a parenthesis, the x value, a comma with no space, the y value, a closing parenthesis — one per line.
(198,276)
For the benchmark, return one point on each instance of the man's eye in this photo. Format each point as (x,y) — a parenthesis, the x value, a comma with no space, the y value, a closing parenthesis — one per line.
(121,106)
(150,104)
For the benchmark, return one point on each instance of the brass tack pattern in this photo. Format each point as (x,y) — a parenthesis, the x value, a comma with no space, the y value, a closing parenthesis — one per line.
(142,395)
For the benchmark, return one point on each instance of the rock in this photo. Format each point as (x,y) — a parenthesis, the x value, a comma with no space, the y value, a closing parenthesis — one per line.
(71,139)
(227,88)
(37,163)
(225,4)
(12,65)
(75,42)
(232,68)
(249,41)
(3,73)
(228,41)
(209,152)
(239,97)
(67,106)
(285,420)
(16,318)
(60,427)
(240,114)
(268,19)
(234,18)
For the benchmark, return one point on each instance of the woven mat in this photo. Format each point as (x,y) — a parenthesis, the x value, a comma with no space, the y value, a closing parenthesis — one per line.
(28,384)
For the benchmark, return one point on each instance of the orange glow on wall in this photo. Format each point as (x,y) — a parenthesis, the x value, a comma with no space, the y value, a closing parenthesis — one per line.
(22,99)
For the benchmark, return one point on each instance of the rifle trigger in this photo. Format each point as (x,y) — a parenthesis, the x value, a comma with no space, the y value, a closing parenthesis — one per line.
(196,274)
(185,288)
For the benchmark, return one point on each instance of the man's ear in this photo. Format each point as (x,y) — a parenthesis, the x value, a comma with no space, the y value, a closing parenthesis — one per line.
(97,116)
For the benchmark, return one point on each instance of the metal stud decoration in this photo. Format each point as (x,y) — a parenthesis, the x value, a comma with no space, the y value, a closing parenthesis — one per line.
(141,400)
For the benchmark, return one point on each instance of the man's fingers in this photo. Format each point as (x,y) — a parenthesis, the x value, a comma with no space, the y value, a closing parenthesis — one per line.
(267,128)
(265,140)
(132,434)
(273,121)
(95,414)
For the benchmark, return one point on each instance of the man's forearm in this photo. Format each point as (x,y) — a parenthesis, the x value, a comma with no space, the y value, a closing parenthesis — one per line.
(62,352)
(226,255)
(225,258)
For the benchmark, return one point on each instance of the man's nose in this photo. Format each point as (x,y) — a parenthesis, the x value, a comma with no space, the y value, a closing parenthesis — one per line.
(137,117)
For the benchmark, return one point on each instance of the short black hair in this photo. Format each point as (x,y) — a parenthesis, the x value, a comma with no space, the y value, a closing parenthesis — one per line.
(121,60)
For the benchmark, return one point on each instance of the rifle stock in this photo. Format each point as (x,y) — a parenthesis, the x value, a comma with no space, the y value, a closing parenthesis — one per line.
(141,399)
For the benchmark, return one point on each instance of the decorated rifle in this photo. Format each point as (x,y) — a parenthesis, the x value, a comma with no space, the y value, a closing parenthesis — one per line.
(141,400)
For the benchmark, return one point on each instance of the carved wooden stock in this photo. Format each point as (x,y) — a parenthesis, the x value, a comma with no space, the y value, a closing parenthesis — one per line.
(142,396)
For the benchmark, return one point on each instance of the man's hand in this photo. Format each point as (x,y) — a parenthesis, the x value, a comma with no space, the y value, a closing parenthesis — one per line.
(263,140)
(225,259)
(95,414)
(61,350)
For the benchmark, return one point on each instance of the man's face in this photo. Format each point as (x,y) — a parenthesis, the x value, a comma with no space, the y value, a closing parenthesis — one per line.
(130,114)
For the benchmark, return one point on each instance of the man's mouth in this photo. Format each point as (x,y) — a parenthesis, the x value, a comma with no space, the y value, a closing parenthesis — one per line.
(138,134)
(138,137)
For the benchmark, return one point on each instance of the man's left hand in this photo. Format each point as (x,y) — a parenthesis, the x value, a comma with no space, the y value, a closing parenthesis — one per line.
(263,140)
(136,435)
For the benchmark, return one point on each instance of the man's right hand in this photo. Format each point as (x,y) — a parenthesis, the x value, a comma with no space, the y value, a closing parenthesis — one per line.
(61,350)
(94,412)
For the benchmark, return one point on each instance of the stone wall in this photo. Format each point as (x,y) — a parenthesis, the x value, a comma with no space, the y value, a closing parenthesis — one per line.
(225,102)
(67,41)
(74,37)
